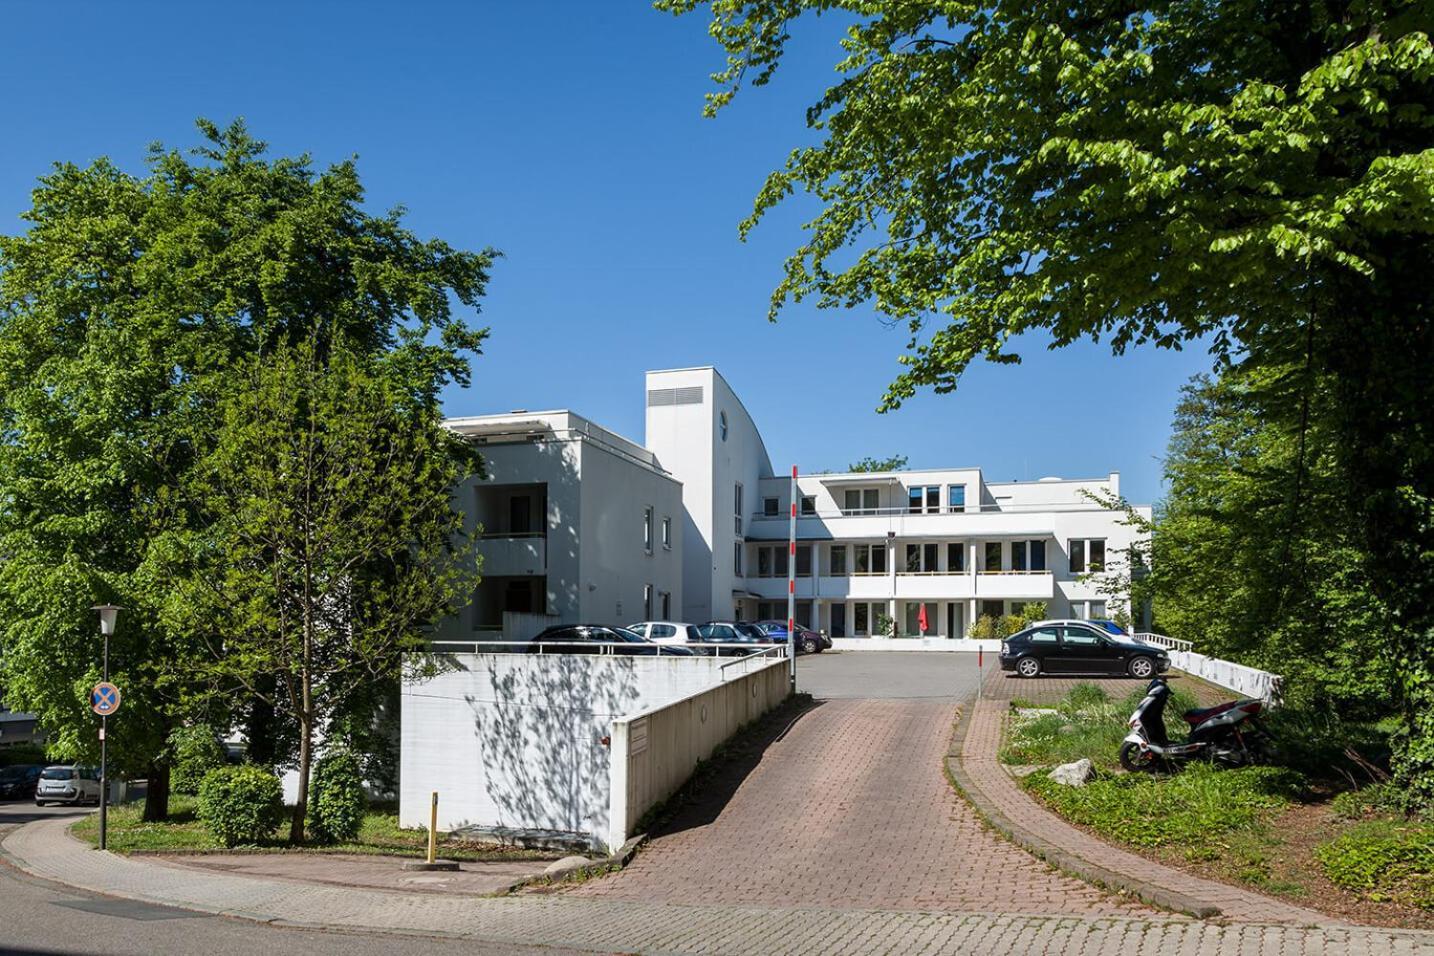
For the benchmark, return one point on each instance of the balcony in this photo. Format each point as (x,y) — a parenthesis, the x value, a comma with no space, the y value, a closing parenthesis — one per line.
(915,585)
(878,523)
(508,555)
(1022,585)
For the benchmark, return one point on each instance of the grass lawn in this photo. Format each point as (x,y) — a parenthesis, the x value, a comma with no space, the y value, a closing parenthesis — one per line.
(1295,830)
(182,833)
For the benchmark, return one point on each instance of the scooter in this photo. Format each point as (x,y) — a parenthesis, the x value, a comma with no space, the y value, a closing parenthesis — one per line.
(1229,734)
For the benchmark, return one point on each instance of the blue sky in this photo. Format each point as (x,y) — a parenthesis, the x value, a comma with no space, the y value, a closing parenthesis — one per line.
(569,135)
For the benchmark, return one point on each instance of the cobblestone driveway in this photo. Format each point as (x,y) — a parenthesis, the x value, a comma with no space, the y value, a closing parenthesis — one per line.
(850,808)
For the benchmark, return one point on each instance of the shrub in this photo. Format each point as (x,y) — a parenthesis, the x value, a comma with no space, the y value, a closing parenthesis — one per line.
(1187,809)
(22,754)
(240,805)
(1383,860)
(336,797)
(195,751)
(1085,696)
(1373,799)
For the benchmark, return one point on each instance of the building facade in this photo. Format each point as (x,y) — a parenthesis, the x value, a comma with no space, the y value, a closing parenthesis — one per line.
(583,525)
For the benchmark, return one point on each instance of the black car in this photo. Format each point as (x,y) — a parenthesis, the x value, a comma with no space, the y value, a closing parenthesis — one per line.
(808,640)
(590,638)
(18,782)
(732,633)
(1077,647)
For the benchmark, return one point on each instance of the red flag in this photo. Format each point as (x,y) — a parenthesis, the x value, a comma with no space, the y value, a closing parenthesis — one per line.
(921,619)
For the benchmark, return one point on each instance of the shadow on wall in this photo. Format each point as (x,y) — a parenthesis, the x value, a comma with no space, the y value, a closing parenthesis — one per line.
(544,763)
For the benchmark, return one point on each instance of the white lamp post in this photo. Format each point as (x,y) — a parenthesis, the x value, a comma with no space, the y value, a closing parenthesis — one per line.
(108,613)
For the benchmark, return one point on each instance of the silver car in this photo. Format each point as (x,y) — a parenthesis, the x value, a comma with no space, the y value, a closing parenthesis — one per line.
(68,784)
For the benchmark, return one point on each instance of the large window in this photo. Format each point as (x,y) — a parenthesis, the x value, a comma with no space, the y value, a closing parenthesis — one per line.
(769,507)
(764,562)
(862,620)
(921,557)
(772,561)
(647,530)
(804,560)
(737,504)
(870,558)
(923,498)
(1087,554)
(956,557)
(859,501)
(1018,555)
(1038,555)
(809,504)
(993,555)
(955,497)
(838,620)
(838,559)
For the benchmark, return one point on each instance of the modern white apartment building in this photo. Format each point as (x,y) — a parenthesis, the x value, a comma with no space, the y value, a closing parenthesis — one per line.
(581,524)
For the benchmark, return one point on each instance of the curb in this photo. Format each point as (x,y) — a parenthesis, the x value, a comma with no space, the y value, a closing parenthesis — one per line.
(1062,860)
(607,864)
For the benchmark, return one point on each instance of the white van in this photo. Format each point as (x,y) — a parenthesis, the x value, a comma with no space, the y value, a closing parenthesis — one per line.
(68,784)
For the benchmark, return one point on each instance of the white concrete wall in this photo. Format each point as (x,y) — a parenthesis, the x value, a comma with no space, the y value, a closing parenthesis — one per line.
(654,752)
(1248,681)
(515,740)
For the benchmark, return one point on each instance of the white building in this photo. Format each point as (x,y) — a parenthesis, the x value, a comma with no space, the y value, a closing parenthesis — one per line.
(583,525)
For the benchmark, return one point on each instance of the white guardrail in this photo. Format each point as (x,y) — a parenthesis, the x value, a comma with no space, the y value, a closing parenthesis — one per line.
(1248,681)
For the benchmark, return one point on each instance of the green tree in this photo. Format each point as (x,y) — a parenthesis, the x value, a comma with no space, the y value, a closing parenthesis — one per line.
(1255,176)
(331,544)
(869,464)
(124,309)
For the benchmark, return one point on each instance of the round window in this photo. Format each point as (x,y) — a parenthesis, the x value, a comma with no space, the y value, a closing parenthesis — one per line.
(722,424)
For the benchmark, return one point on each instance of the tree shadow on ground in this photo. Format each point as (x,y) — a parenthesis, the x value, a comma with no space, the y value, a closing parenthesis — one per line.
(706,794)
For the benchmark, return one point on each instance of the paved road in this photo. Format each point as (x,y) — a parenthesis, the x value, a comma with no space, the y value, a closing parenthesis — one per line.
(39,917)
(849,807)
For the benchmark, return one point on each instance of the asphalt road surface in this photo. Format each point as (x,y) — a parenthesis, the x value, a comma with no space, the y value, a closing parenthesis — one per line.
(38,917)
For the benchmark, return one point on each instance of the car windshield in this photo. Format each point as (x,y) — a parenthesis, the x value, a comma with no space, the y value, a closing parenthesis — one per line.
(58,773)
(751,631)
(624,634)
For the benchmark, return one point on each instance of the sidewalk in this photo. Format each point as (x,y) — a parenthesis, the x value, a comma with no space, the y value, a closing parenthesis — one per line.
(45,849)
(1010,809)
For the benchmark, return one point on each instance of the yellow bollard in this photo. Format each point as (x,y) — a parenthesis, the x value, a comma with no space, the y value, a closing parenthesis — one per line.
(433,829)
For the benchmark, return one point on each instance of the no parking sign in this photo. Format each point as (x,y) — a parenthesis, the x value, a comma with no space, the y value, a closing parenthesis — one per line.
(104,698)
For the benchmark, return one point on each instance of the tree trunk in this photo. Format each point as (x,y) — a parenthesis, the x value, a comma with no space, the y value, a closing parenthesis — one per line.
(156,794)
(301,802)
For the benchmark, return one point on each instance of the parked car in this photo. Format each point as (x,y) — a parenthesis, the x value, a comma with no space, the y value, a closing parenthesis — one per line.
(68,784)
(808,640)
(18,782)
(732,633)
(1078,647)
(589,638)
(666,632)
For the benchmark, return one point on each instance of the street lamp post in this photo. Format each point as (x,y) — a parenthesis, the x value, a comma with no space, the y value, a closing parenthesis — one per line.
(108,613)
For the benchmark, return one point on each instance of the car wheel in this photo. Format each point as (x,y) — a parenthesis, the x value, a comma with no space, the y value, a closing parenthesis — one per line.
(1133,759)
(1141,667)
(1028,667)
(39,803)
(809,646)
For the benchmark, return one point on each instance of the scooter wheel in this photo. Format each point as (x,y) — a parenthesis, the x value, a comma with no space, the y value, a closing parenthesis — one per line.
(1133,759)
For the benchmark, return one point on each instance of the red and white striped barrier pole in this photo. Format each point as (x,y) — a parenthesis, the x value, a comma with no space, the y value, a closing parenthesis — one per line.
(792,587)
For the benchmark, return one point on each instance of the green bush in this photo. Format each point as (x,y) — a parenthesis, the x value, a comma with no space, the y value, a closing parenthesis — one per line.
(240,805)
(1187,809)
(1375,798)
(195,750)
(336,797)
(22,754)
(1383,860)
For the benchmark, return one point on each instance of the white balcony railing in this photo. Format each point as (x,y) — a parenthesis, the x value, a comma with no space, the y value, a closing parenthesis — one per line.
(1160,640)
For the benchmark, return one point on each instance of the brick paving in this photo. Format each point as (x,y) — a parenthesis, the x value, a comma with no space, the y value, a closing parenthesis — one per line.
(850,808)
(996,788)
(44,849)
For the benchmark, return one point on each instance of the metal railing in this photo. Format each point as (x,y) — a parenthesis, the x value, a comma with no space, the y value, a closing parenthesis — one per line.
(1035,507)
(494,535)
(1160,640)
(613,648)
(776,651)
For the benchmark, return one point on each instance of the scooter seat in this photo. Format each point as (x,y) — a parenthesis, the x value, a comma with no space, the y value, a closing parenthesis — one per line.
(1198,716)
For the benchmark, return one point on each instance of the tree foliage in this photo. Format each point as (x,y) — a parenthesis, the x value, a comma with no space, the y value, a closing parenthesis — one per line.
(870,464)
(1257,177)
(326,542)
(125,310)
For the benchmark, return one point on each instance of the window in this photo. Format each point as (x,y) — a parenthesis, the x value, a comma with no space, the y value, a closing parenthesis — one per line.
(1087,554)
(955,498)
(1045,635)
(769,507)
(838,620)
(663,630)
(809,504)
(1081,637)
(913,558)
(1097,610)
(1018,555)
(928,557)
(647,530)
(804,560)
(993,555)
(1038,555)
(838,559)
(858,501)
(923,498)
(870,558)
(737,558)
(737,505)
(667,533)
(956,557)
(862,619)
(764,562)
(722,425)
(647,602)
